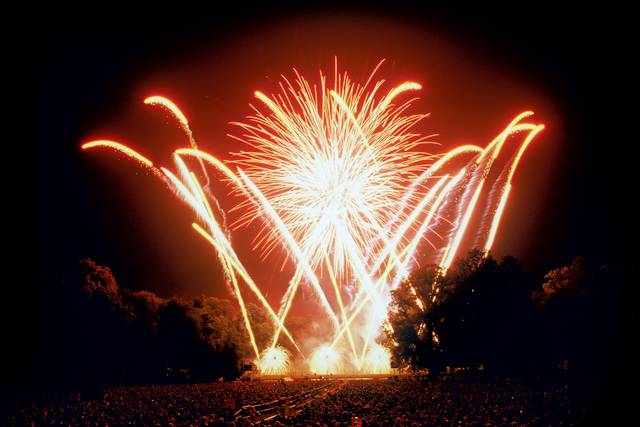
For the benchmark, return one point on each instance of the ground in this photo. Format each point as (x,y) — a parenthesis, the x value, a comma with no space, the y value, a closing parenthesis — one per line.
(333,402)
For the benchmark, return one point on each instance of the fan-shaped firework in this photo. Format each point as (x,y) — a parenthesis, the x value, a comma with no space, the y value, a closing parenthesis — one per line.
(341,181)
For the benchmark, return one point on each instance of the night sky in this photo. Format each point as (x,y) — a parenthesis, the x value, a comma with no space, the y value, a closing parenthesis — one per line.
(479,67)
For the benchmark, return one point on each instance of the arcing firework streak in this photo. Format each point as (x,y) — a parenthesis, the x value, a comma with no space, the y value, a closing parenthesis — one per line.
(339,180)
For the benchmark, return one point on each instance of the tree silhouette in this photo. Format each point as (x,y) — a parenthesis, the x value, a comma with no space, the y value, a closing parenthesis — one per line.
(477,314)
(98,333)
(571,302)
(412,338)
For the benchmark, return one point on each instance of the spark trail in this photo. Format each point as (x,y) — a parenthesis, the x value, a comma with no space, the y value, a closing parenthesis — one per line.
(339,179)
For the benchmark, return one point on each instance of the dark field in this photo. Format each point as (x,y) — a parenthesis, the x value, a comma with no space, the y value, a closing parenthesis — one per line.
(338,402)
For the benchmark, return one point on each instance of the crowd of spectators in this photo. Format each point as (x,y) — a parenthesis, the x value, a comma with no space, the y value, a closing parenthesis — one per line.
(444,403)
(389,402)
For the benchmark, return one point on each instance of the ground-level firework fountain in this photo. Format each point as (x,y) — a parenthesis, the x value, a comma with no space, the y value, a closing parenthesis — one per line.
(274,361)
(337,176)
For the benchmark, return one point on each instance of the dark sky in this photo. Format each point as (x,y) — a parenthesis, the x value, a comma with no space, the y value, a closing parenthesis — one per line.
(480,67)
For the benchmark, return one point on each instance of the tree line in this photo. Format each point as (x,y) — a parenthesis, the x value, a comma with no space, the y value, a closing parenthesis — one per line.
(492,316)
(95,333)
(483,313)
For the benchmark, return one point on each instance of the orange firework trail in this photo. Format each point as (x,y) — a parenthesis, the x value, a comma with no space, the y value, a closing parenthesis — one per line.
(338,178)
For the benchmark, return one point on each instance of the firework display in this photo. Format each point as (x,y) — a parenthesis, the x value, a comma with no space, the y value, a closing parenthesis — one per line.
(338,179)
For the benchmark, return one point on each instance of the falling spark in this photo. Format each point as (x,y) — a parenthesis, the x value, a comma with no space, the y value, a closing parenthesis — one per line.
(496,218)
(119,147)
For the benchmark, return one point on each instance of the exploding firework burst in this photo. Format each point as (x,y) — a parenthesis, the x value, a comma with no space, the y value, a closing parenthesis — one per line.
(333,163)
(377,360)
(336,176)
(274,361)
(325,360)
